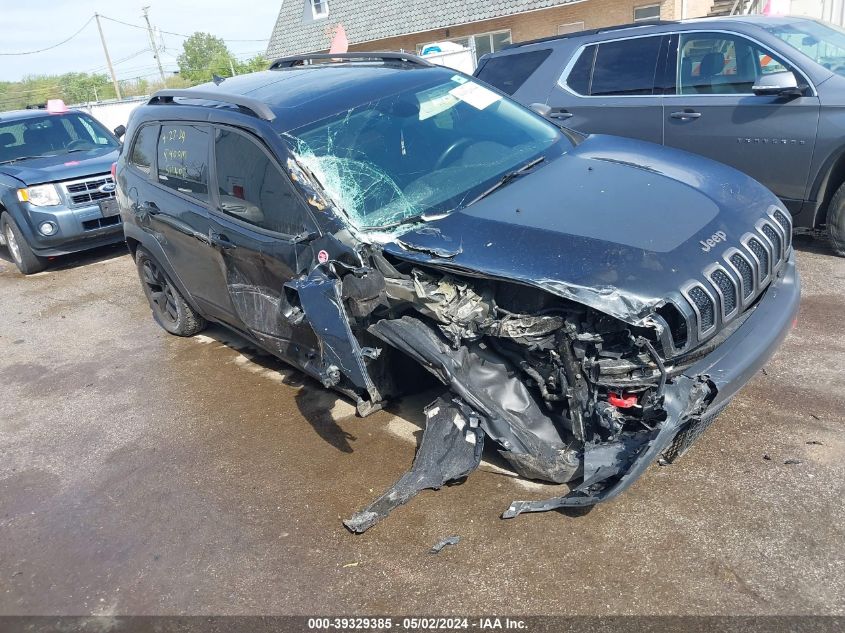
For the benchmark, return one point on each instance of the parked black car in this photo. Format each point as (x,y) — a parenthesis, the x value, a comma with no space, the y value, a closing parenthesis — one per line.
(589,303)
(762,94)
(56,188)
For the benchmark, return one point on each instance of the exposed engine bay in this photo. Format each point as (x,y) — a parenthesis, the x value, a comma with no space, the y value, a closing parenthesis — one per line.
(569,394)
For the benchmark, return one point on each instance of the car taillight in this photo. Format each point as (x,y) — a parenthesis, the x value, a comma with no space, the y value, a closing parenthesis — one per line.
(114,171)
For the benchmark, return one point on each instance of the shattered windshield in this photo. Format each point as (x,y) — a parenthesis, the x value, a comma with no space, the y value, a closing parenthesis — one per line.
(824,43)
(427,150)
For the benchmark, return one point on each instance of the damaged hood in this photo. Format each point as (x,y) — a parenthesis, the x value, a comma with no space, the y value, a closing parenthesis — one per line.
(615,224)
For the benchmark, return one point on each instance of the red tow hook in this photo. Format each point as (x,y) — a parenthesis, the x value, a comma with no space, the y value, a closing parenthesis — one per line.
(624,401)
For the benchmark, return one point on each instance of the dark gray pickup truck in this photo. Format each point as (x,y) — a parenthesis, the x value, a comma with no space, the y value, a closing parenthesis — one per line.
(765,95)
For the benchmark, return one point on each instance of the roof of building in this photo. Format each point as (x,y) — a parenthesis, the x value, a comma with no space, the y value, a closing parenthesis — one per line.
(296,31)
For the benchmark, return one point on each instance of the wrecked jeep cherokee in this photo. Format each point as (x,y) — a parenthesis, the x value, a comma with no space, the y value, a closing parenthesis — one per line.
(589,303)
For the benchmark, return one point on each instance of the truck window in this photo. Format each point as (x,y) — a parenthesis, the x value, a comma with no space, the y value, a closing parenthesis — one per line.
(509,72)
(144,148)
(715,63)
(253,189)
(183,159)
(582,72)
(626,67)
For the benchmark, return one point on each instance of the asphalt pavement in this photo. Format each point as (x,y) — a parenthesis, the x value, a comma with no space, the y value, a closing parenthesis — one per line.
(142,473)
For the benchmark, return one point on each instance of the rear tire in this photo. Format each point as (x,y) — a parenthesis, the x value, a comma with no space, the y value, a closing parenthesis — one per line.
(169,307)
(836,221)
(23,256)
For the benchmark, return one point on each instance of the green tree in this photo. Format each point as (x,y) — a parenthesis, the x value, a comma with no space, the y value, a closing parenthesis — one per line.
(252,65)
(204,55)
(82,87)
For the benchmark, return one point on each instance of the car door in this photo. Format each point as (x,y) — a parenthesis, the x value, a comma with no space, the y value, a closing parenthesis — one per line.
(713,111)
(170,197)
(609,88)
(260,233)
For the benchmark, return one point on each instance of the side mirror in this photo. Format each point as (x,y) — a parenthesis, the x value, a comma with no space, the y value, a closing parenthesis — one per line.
(120,131)
(542,109)
(778,84)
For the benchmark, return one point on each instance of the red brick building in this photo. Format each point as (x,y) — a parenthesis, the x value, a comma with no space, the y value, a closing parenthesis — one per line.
(306,26)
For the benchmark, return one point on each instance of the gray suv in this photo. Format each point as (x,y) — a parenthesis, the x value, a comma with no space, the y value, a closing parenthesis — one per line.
(56,186)
(765,95)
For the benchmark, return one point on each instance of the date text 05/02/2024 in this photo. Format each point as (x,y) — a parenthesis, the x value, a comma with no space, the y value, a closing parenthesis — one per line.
(416,624)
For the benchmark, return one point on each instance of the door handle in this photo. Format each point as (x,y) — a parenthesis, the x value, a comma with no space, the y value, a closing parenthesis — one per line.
(221,241)
(560,113)
(686,115)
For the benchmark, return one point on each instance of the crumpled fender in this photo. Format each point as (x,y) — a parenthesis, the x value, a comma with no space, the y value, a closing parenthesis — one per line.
(320,295)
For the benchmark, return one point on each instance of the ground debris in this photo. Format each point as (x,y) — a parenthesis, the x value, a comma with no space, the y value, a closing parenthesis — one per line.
(815,443)
(450,449)
(767,457)
(450,540)
(792,461)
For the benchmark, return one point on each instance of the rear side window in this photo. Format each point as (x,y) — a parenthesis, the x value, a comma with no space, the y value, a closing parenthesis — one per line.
(622,68)
(582,71)
(509,72)
(144,148)
(626,67)
(183,159)
(253,189)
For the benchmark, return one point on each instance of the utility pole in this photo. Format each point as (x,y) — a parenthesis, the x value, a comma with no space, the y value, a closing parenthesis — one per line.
(232,66)
(108,58)
(153,42)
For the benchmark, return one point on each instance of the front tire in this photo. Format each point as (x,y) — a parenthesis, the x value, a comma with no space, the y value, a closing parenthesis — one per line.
(23,256)
(169,307)
(836,221)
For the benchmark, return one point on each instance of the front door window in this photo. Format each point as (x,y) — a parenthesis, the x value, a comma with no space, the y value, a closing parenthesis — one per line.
(251,188)
(715,63)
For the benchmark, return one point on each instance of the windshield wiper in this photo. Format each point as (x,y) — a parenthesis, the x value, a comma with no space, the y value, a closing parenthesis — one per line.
(508,177)
(14,160)
(411,219)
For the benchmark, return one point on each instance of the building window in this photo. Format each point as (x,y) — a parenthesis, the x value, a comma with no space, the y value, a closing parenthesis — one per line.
(480,44)
(572,27)
(319,9)
(647,13)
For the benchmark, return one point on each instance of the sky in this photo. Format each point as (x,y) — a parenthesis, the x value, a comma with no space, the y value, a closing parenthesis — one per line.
(36,24)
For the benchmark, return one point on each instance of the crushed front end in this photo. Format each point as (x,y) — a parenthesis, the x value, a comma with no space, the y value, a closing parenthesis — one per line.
(568,393)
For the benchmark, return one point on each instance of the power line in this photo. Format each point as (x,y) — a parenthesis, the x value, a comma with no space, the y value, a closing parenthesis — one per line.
(138,26)
(41,50)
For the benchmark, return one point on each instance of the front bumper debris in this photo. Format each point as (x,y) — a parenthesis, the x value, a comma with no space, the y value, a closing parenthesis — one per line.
(489,398)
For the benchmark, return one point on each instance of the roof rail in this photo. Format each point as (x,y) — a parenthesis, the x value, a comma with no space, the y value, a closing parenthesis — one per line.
(364,56)
(256,107)
(606,29)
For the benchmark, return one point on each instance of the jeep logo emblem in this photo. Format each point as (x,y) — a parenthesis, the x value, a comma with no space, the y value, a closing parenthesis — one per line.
(109,187)
(710,242)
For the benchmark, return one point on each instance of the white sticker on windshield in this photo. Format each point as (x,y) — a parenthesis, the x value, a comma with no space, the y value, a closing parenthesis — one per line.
(435,101)
(475,95)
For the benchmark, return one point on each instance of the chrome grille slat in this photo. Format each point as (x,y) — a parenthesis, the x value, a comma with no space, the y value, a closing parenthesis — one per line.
(761,253)
(727,290)
(86,192)
(775,239)
(785,223)
(741,275)
(705,307)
